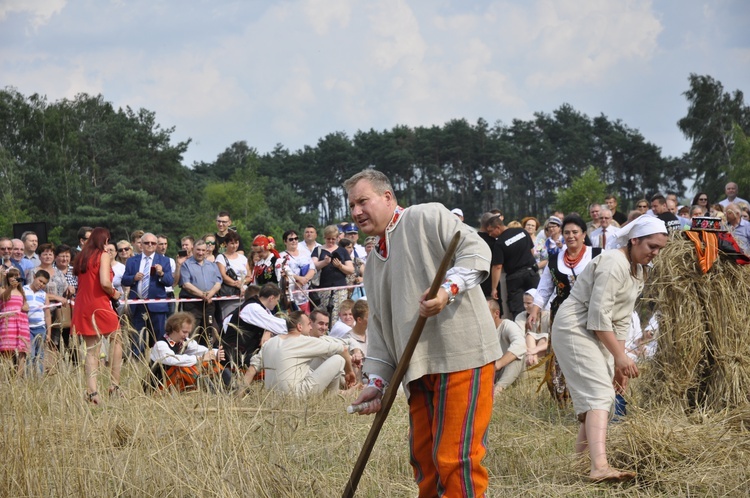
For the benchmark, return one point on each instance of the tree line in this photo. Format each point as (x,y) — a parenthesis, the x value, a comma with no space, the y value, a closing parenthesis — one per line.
(80,161)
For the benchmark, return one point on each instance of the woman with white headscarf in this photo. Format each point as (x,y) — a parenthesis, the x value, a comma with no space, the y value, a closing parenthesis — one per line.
(590,330)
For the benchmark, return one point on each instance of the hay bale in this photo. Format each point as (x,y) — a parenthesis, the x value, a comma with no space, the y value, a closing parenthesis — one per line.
(703,354)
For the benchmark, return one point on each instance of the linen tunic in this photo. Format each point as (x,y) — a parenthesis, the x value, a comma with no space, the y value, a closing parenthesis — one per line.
(462,336)
(602,299)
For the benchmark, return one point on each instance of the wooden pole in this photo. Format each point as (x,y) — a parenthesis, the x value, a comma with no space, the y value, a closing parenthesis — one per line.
(398,375)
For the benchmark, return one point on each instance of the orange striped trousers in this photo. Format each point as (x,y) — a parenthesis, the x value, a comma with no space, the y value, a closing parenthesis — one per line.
(449,415)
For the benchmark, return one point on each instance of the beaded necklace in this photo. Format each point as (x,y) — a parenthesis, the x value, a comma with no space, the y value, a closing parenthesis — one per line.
(573,262)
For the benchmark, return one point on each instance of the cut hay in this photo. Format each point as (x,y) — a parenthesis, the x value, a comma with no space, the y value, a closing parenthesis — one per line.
(703,354)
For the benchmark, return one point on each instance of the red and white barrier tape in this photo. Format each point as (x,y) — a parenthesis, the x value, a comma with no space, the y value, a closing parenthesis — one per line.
(192,299)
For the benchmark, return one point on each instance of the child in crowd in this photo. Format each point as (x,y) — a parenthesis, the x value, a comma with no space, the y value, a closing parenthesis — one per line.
(358,333)
(179,362)
(346,320)
(40,321)
(14,326)
(537,340)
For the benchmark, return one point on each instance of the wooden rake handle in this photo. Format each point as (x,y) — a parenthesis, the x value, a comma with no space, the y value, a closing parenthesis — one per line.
(398,374)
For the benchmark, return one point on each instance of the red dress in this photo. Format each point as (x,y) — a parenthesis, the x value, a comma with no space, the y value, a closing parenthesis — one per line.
(93,314)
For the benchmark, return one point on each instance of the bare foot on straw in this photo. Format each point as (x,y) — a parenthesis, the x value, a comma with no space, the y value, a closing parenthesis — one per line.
(611,475)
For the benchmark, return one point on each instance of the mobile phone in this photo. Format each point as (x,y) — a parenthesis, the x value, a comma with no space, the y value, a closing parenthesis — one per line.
(152,271)
(182,253)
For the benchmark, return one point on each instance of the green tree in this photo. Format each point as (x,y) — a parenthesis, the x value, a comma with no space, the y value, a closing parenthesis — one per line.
(711,117)
(586,189)
(13,195)
(739,166)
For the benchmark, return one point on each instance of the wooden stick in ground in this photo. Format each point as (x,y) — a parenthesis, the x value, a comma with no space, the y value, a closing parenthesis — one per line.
(398,375)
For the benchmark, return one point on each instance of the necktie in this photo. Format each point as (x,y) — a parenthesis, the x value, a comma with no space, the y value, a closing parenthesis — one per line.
(146,277)
(604,239)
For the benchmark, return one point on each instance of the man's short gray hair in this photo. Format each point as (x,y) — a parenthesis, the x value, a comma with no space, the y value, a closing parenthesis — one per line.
(380,183)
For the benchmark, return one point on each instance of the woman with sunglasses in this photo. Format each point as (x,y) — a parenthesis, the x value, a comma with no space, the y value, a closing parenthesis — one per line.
(124,251)
(701,199)
(210,240)
(295,269)
(642,206)
(235,273)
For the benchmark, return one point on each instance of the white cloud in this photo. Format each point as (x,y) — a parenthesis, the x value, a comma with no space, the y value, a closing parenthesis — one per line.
(322,13)
(396,33)
(40,10)
(578,41)
(296,70)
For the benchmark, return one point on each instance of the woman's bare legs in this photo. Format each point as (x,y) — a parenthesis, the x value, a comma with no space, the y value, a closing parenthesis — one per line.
(594,431)
(91,365)
(115,359)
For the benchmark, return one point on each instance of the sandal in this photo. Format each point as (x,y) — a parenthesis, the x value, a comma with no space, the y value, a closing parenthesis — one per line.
(93,398)
(114,391)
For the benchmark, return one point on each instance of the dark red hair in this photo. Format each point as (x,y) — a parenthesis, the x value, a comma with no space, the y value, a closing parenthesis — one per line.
(93,248)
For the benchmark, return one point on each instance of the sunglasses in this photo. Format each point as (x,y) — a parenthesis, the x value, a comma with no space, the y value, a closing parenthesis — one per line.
(702,198)
(148,243)
(210,242)
(292,239)
(123,249)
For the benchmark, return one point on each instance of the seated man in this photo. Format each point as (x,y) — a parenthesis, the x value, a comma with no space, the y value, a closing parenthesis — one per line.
(345,322)
(358,333)
(179,362)
(510,364)
(537,340)
(320,320)
(249,326)
(286,360)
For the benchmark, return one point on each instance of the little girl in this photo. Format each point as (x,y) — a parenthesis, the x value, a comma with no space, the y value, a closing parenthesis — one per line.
(14,322)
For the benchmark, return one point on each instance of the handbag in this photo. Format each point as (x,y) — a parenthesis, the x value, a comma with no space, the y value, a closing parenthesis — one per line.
(226,289)
(63,317)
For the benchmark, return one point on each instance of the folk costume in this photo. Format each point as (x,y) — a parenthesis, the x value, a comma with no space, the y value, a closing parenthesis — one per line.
(175,365)
(449,381)
(558,279)
(602,299)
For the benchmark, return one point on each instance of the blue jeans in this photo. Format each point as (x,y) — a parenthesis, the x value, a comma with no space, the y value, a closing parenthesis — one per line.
(38,344)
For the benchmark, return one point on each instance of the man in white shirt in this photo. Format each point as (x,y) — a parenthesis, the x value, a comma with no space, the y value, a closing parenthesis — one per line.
(731,190)
(512,341)
(311,239)
(604,236)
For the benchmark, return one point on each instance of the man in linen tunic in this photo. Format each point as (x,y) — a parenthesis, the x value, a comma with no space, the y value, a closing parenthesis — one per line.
(450,376)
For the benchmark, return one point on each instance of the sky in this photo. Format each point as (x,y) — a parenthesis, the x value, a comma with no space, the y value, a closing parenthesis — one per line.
(291,72)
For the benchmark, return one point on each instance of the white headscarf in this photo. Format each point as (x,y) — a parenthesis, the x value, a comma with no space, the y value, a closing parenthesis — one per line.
(640,227)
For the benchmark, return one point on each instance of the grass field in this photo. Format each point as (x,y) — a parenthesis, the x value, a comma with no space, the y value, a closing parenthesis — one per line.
(200,444)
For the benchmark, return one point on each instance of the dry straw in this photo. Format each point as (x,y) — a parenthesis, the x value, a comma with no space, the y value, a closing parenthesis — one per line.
(703,355)
(53,443)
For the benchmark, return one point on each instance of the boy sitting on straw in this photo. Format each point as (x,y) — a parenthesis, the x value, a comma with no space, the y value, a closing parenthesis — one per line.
(179,362)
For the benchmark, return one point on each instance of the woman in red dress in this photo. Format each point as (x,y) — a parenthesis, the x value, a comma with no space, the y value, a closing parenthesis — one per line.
(93,315)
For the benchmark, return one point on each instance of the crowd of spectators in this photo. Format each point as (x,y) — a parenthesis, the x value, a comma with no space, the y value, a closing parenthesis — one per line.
(223,303)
